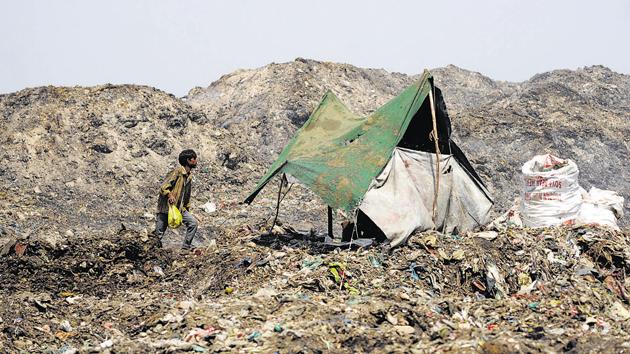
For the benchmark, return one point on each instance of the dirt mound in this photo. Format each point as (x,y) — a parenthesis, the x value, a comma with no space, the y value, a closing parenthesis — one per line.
(78,159)
(555,113)
(265,106)
(581,114)
(464,90)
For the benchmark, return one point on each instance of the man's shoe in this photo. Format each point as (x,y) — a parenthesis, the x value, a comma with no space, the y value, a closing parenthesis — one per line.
(187,247)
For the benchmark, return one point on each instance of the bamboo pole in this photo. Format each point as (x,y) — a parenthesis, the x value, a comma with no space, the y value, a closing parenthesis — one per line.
(437,154)
(275,219)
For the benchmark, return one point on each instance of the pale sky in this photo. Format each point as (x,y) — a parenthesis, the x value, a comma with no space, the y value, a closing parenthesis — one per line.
(176,45)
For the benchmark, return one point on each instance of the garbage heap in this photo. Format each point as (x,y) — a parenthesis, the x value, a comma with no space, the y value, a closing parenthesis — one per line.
(517,290)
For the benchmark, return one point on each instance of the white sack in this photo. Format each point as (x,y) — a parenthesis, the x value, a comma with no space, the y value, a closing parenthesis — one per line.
(551,193)
(601,207)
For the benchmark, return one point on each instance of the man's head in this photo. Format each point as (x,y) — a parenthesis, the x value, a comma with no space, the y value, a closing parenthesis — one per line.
(188,158)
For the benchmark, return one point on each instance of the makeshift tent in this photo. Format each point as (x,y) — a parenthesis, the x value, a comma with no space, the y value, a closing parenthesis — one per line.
(383,165)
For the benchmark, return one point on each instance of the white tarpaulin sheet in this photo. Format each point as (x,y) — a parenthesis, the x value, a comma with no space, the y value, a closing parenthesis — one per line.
(400,200)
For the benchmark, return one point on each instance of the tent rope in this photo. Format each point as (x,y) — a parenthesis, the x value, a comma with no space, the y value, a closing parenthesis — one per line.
(437,154)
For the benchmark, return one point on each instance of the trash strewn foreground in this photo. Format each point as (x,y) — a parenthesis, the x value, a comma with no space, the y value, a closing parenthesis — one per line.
(518,290)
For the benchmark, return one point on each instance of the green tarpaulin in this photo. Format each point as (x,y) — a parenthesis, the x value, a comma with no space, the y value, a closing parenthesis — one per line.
(337,154)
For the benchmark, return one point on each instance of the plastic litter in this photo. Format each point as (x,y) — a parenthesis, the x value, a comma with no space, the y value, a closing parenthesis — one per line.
(253,336)
(342,277)
(209,207)
(375,261)
(20,248)
(65,325)
(200,334)
(174,217)
(312,263)
(106,344)
(412,270)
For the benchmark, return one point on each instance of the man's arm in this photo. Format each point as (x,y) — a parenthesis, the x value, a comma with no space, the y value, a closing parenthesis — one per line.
(168,185)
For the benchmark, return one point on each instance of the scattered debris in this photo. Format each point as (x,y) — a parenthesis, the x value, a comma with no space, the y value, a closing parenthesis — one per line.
(438,292)
(209,207)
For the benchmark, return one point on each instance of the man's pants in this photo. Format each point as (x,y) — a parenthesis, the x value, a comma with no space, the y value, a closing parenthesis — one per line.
(161,223)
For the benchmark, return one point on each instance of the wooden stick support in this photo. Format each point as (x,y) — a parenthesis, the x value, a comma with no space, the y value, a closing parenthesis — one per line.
(275,219)
(330,223)
(437,154)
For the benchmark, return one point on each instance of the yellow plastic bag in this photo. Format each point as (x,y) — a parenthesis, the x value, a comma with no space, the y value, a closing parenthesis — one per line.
(174,217)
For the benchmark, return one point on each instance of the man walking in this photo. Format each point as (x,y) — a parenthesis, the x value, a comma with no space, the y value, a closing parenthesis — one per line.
(176,191)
